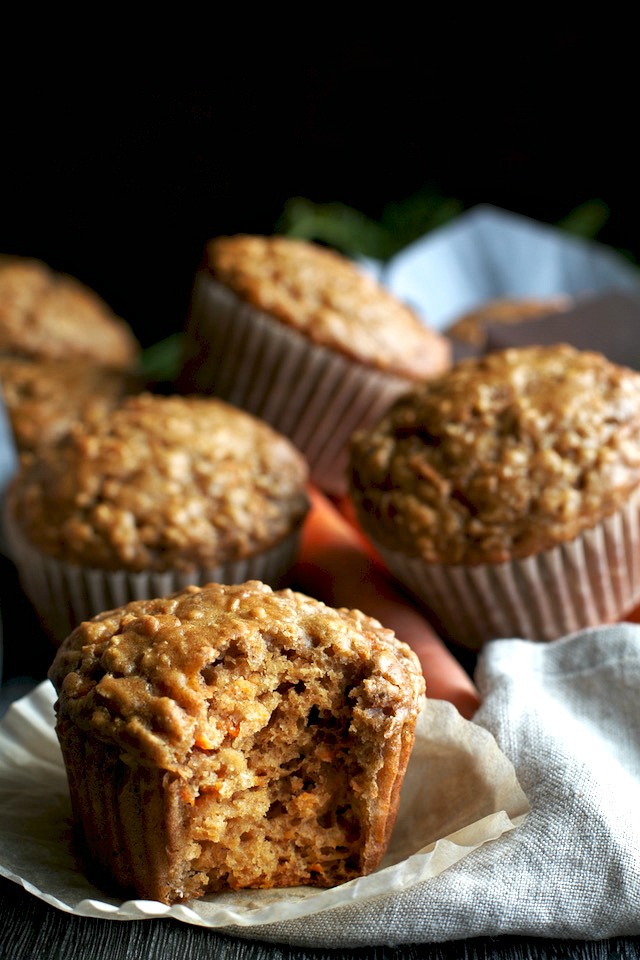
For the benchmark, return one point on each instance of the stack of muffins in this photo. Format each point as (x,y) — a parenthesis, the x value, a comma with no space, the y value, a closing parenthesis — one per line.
(166,491)
(502,492)
(124,494)
(230,733)
(64,354)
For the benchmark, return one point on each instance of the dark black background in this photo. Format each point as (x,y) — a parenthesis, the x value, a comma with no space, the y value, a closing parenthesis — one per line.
(118,164)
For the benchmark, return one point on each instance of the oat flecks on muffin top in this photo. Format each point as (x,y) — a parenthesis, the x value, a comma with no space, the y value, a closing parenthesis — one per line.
(208,665)
(53,316)
(163,483)
(502,457)
(317,291)
(44,398)
(257,738)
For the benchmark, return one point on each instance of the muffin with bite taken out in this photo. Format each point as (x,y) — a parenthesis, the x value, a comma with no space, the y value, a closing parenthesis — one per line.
(232,737)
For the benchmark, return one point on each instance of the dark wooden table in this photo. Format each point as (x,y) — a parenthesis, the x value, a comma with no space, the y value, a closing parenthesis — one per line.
(30,929)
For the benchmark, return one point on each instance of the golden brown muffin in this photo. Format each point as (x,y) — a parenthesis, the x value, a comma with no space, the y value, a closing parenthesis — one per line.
(234,737)
(471,328)
(504,458)
(325,296)
(52,316)
(183,486)
(299,336)
(44,398)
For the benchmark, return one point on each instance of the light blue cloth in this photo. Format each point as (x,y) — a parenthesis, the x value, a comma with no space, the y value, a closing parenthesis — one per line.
(8,464)
(8,460)
(487,253)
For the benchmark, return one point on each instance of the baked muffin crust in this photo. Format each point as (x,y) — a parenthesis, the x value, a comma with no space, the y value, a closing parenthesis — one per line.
(276,729)
(162,483)
(44,398)
(322,294)
(504,456)
(50,315)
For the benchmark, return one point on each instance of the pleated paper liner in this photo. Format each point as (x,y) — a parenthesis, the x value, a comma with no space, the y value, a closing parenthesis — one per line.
(64,594)
(314,396)
(591,580)
(121,823)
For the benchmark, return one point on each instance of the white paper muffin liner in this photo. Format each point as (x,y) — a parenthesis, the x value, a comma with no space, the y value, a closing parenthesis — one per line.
(591,580)
(64,594)
(431,833)
(314,396)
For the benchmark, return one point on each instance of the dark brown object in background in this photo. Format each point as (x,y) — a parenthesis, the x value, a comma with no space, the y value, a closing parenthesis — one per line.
(609,324)
(471,328)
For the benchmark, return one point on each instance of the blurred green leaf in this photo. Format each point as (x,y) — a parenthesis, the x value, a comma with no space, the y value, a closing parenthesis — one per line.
(409,219)
(334,224)
(586,220)
(162,360)
(354,234)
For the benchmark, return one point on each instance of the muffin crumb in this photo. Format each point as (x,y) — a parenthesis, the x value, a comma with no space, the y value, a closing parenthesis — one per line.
(231,737)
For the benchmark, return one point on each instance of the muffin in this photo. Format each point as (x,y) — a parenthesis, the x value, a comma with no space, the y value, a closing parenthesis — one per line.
(52,316)
(44,398)
(231,737)
(299,336)
(505,494)
(163,492)
(472,327)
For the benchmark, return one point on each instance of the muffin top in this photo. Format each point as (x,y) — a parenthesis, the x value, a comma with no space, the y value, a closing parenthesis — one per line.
(162,483)
(325,296)
(44,398)
(471,327)
(208,665)
(53,316)
(502,457)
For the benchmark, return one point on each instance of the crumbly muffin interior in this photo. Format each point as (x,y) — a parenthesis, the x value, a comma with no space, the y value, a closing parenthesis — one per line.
(281,729)
(275,806)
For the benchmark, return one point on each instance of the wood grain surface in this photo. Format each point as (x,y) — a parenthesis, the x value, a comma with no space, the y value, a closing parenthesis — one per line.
(32,930)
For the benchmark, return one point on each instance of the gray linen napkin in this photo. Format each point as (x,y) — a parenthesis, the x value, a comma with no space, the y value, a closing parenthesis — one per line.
(567,714)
